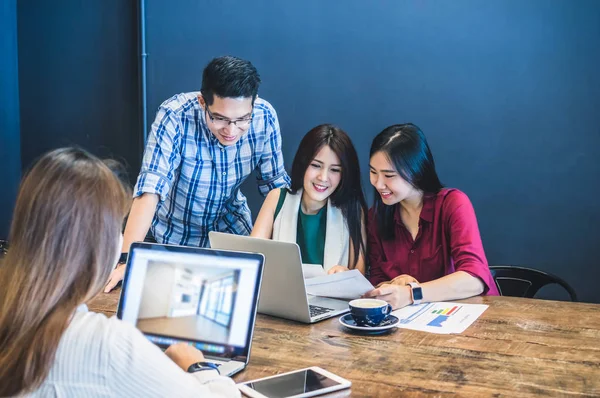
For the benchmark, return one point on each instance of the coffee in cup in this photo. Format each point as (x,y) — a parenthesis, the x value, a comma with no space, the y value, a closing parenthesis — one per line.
(369,312)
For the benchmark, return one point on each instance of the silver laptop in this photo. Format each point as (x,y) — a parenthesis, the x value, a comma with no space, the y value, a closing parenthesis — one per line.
(203,297)
(283,293)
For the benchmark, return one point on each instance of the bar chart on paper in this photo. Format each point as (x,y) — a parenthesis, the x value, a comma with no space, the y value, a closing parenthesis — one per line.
(440,318)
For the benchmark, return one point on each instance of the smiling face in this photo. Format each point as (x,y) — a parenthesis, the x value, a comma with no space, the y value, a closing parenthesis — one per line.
(221,115)
(389,184)
(322,176)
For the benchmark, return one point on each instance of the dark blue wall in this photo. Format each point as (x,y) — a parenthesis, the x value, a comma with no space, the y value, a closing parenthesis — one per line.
(10,147)
(508,93)
(78,78)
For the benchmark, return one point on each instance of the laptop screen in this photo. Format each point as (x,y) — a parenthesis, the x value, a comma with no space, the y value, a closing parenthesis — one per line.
(204,297)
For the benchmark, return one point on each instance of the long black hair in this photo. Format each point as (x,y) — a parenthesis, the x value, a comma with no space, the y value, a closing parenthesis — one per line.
(407,149)
(348,196)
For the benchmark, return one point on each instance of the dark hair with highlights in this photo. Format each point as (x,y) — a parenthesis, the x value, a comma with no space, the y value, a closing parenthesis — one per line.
(348,196)
(407,149)
(229,77)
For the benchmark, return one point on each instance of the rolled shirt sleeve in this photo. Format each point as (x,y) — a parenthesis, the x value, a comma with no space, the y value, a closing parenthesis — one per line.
(271,172)
(466,247)
(162,156)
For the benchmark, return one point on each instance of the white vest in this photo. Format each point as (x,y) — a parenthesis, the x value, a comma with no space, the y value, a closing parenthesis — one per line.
(337,237)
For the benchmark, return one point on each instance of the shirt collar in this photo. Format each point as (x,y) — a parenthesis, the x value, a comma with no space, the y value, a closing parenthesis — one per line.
(426,211)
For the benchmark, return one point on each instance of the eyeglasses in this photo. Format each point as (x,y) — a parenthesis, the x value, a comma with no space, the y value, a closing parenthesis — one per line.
(221,122)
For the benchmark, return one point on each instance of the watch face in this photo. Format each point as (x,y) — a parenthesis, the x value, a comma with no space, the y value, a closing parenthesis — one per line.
(417,294)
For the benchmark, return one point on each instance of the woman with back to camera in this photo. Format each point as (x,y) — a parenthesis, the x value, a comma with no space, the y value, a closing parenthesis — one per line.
(64,239)
(423,239)
(324,211)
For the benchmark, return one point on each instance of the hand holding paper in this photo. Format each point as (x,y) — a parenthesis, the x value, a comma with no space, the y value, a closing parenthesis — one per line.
(348,285)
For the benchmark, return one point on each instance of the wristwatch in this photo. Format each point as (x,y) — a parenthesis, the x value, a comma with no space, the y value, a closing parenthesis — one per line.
(122,258)
(199,366)
(416,293)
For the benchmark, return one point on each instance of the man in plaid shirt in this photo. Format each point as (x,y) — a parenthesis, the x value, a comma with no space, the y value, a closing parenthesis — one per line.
(201,147)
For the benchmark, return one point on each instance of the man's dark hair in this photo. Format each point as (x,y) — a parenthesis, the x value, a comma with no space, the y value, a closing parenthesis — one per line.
(229,77)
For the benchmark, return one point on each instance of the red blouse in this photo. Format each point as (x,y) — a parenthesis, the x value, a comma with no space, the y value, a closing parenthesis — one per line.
(448,240)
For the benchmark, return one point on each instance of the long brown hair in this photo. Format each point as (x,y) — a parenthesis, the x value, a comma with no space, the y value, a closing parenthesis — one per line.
(63,244)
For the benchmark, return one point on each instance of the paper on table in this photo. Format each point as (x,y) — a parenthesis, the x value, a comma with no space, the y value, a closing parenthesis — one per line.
(312,270)
(441,318)
(346,285)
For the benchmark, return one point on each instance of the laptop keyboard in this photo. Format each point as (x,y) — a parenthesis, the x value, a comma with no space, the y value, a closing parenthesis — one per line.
(315,310)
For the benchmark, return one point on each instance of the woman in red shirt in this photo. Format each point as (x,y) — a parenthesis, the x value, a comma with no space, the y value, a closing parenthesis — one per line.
(423,239)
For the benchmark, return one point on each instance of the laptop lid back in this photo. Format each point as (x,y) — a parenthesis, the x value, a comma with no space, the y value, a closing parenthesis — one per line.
(283,293)
(203,297)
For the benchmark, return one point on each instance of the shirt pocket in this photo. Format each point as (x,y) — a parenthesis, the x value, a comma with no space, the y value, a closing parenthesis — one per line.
(432,267)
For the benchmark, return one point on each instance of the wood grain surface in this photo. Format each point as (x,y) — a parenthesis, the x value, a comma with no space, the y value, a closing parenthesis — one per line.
(517,348)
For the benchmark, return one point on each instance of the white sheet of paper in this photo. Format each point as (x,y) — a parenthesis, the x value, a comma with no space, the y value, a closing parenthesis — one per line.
(441,318)
(346,285)
(312,270)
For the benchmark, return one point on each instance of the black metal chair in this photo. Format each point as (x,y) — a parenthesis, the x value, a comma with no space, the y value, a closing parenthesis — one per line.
(525,282)
(3,247)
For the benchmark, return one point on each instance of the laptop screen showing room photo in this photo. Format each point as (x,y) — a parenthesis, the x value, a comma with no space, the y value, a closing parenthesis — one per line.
(204,297)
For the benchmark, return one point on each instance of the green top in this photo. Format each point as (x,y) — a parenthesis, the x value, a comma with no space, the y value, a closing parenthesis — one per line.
(310,235)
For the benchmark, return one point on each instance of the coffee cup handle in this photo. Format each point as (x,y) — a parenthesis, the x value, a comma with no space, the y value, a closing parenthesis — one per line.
(388,309)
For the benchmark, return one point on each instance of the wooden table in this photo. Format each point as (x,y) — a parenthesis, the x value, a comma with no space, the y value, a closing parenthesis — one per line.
(517,348)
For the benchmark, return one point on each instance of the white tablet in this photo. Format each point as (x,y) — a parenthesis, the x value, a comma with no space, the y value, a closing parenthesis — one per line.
(296,384)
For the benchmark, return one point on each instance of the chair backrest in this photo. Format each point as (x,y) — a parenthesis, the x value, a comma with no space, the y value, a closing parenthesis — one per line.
(525,282)
(3,247)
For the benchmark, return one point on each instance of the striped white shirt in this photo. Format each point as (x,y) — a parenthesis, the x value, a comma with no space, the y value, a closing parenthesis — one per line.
(102,357)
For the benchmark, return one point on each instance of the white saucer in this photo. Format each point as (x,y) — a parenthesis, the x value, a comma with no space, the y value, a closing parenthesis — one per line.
(389,323)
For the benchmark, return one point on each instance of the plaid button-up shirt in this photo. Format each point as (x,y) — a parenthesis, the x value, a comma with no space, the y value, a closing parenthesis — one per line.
(198,179)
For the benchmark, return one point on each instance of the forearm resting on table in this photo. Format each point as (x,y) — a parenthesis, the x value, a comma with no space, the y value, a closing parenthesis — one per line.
(455,286)
(140,218)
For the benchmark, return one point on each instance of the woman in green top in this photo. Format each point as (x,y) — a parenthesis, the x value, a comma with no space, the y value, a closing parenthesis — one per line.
(324,211)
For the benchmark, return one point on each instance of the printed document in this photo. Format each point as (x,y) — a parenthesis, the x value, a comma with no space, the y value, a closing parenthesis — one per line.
(348,285)
(313,270)
(441,318)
